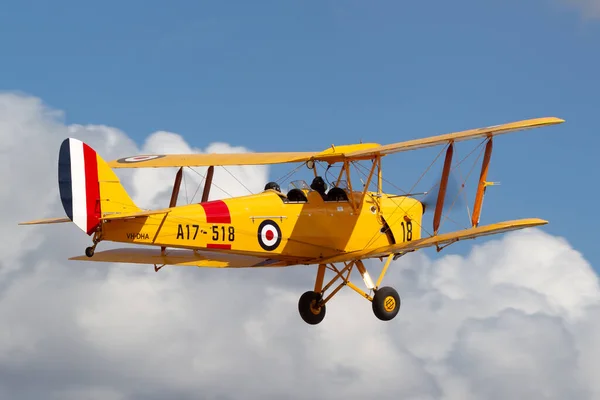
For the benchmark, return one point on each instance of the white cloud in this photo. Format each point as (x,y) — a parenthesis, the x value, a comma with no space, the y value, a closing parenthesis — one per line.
(589,8)
(519,317)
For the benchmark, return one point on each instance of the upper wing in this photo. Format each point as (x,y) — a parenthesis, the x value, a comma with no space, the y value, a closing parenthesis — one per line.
(439,240)
(178,257)
(334,154)
(456,137)
(206,160)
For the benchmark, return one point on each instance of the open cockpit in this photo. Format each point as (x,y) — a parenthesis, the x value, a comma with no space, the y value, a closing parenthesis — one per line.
(300,192)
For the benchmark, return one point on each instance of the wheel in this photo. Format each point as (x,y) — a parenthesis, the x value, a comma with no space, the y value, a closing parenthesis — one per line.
(308,310)
(386,303)
(89,251)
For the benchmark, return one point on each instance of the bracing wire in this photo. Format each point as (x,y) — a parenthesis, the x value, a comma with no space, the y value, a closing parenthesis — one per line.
(187,200)
(213,184)
(467,177)
(457,165)
(370,241)
(238,181)
(289,174)
(203,181)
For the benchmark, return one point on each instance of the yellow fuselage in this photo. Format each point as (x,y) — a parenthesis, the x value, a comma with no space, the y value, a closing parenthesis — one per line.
(267,225)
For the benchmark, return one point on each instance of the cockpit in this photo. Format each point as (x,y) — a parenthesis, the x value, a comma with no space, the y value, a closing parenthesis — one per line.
(298,191)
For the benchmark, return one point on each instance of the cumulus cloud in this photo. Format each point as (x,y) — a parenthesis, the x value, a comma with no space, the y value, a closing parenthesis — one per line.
(518,317)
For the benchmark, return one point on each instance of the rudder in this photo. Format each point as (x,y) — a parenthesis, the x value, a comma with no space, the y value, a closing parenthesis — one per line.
(88,187)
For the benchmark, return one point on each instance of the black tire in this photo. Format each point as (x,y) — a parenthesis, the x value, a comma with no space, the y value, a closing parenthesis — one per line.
(306,304)
(89,251)
(386,303)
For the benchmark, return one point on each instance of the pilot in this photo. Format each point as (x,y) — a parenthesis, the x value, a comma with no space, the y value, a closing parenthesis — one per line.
(273,185)
(319,185)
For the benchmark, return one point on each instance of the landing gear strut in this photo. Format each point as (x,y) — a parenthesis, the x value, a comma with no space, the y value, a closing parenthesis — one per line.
(89,251)
(385,302)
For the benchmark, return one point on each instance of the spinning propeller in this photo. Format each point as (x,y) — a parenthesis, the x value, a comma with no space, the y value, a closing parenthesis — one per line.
(452,195)
(443,196)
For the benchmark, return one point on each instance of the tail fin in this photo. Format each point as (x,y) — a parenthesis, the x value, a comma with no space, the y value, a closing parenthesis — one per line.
(89,189)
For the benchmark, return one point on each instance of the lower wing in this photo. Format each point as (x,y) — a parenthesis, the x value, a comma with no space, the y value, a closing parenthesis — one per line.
(438,240)
(177,257)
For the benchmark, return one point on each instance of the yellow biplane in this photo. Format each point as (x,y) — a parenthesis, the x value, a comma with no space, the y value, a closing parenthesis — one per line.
(307,225)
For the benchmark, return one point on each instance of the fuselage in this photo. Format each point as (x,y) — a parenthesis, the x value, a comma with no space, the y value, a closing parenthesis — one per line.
(269,225)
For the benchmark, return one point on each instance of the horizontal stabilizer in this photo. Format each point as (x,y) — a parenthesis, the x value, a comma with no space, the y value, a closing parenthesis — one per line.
(441,240)
(133,215)
(106,217)
(176,257)
(46,221)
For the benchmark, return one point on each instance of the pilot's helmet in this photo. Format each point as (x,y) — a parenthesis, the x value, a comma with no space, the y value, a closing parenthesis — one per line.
(318,184)
(272,185)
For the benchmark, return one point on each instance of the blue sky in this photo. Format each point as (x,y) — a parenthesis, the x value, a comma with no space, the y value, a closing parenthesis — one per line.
(293,75)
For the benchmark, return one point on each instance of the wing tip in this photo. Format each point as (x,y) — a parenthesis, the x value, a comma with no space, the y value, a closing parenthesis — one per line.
(552,120)
(528,221)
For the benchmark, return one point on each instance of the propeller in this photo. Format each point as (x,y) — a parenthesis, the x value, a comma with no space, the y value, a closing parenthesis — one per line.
(452,195)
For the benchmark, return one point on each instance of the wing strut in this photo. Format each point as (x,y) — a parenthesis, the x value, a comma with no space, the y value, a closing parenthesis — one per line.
(208,183)
(442,192)
(176,187)
(172,203)
(483,184)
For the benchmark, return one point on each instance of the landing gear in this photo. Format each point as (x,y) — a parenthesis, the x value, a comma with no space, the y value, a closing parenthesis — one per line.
(385,302)
(89,251)
(311,312)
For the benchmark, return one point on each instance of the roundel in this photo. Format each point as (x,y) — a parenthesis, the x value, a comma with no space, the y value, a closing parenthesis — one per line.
(135,159)
(269,235)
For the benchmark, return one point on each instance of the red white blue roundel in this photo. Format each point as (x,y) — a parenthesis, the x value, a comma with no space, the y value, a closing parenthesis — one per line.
(136,159)
(269,235)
